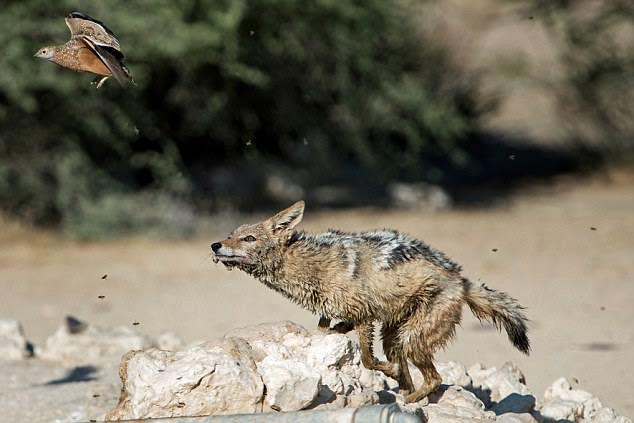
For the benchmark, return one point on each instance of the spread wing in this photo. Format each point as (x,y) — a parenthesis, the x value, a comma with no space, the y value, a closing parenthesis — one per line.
(111,58)
(81,25)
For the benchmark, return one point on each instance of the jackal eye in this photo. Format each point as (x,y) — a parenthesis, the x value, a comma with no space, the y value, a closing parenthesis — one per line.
(249,238)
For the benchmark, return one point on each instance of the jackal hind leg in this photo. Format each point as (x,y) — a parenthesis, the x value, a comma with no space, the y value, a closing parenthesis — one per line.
(393,349)
(366,339)
(431,377)
(427,330)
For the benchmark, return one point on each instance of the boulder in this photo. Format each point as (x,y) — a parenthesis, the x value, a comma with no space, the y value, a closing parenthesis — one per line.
(200,381)
(290,385)
(496,383)
(77,342)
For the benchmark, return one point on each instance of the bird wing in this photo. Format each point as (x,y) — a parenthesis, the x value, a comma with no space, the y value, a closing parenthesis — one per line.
(89,61)
(111,58)
(81,25)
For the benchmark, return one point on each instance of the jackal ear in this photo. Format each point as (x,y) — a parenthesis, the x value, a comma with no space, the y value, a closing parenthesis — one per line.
(287,219)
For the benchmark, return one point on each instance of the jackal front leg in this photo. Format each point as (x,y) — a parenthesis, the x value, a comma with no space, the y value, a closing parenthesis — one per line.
(366,339)
(341,327)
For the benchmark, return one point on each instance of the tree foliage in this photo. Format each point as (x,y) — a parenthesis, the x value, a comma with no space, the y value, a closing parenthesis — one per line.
(327,90)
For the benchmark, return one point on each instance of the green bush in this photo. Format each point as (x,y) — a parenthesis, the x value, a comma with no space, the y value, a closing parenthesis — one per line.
(327,90)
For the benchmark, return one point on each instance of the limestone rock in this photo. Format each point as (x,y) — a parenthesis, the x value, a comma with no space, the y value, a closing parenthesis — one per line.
(194,382)
(563,402)
(290,385)
(80,343)
(516,418)
(560,409)
(456,404)
(500,382)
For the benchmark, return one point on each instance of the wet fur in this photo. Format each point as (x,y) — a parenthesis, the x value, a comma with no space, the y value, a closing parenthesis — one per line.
(362,278)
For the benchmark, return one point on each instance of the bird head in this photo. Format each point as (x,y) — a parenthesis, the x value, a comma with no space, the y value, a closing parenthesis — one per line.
(45,53)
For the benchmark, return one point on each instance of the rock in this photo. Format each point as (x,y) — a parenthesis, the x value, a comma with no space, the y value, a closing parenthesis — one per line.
(290,385)
(459,397)
(80,343)
(500,382)
(13,344)
(329,351)
(563,402)
(358,399)
(453,373)
(456,404)
(420,195)
(516,418)
(282,367)
(169,341)
(375,380)
(267,338)
(562,389)
(559,409)
(194,382)
(605,415)
(237,348)
(271,332)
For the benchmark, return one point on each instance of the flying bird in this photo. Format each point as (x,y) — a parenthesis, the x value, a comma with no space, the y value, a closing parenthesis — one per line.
(92,48)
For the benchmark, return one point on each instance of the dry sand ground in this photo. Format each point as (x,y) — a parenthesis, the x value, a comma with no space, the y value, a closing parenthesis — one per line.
(577,283)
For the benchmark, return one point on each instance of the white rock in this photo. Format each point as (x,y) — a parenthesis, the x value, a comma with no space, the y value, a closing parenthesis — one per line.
(272,332)
(453,373)
(194,382)
(501,382)
(80,343)
(290,385)
(459,397)
(358,399)
(516,418)
(560,409)
(329,351)
(449,413)
(455,404)
(281,339)
(375,381)
(13,344)
(562,389)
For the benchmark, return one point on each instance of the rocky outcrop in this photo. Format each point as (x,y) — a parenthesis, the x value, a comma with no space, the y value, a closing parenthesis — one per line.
(276,367)
(283,367)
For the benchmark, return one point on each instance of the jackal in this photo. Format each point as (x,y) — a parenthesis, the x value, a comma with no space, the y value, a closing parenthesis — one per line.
(363,278)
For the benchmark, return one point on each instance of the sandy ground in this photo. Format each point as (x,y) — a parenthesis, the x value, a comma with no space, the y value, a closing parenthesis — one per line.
(577,283)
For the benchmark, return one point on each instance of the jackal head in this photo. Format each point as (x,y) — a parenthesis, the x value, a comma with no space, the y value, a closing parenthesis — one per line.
(258,244)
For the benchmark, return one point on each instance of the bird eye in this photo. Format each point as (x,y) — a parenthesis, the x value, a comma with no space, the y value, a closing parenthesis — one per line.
(43,51)
(249,238)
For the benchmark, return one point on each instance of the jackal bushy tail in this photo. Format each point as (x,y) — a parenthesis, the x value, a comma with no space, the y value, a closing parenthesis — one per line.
(501,309)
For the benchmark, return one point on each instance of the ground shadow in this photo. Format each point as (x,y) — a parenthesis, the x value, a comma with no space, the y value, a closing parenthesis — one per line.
(77,374)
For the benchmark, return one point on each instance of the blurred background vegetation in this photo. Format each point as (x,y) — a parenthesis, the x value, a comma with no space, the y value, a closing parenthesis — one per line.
(252,104)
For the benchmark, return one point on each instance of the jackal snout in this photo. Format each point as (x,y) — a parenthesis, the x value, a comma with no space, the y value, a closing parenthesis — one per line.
(252,244)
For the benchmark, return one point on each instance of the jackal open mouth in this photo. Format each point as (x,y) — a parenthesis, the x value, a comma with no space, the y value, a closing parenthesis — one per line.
(230,261)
